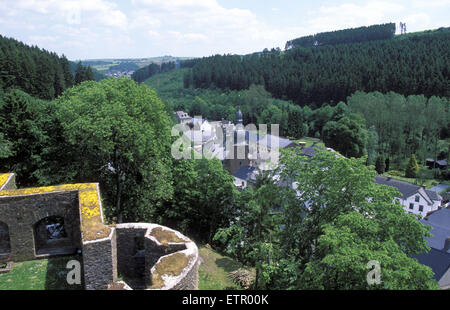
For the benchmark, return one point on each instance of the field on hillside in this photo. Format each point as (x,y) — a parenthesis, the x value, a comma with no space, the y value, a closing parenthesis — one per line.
(105,64)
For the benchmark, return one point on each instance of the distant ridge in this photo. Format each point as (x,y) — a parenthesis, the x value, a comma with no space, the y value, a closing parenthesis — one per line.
(352,35)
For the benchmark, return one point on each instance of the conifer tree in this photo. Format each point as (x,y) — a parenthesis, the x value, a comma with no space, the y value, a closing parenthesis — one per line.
(413,167)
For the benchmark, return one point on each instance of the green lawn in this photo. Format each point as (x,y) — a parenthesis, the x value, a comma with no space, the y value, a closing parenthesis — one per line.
(428,183)
(213,273)
(44,274)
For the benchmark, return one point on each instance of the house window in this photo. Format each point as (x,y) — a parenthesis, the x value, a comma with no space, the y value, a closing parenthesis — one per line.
(417,198)
(421,208)
(411,206)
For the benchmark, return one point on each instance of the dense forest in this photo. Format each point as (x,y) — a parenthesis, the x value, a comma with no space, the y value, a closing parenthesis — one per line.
(312,76)
(40,73)
(144,73)
(356,35)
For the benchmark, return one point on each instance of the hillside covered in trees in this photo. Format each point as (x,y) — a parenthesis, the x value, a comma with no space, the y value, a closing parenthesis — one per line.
(147,72)
(38,72)
(356,35)
(326,74)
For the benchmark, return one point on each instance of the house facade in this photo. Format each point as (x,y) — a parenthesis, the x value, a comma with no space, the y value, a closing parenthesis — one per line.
(182,117)
(415,199)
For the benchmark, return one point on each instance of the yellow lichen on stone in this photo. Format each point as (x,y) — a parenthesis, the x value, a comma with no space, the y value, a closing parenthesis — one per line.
(90,208)
(3,178)
(91,217)
(89,204)
(42,190)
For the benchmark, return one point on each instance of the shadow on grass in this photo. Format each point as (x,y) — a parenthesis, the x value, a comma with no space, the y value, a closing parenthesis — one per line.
(228,264)
(56,276)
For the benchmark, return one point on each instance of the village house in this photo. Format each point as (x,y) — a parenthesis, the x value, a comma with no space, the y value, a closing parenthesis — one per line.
(415,199)
(182,117)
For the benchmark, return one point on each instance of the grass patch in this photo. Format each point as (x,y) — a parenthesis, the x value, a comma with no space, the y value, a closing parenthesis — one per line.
(213,273)
(43,274)
(310,141)
(428,183)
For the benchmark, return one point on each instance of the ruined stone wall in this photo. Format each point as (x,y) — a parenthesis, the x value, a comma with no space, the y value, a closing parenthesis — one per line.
(22,213)
(100,262)
(5,246)
(171,259)
(165,258)
(127,248)
(190,280)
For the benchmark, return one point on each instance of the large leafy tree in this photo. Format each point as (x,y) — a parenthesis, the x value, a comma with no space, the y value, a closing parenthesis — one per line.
(348,135)
(249,237)
(346,247)
(117,132)
(214,208)
(179,211)
(338,222)
(5,145)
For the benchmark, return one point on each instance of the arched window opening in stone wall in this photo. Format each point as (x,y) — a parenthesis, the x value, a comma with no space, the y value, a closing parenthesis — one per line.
(51,237)
(5,245)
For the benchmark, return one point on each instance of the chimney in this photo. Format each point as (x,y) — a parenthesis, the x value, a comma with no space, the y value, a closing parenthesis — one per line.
(447,244)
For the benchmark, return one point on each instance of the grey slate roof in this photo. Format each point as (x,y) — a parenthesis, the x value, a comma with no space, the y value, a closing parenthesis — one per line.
(440,221)
(198,136)
(432,194)
(405,188)
(442,162)
(437,260)
(266,140)
(245,173)
(439,188)
(269,140)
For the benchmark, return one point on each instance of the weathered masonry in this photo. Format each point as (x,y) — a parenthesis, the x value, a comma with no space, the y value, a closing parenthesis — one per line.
(58,220)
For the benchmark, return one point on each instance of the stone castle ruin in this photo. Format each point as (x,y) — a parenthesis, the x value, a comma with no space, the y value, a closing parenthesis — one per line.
(42,222)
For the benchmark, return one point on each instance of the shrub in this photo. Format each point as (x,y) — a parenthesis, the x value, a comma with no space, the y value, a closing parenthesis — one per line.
(396,173)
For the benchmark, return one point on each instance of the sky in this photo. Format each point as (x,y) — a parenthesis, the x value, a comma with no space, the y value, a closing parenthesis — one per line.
(99,29)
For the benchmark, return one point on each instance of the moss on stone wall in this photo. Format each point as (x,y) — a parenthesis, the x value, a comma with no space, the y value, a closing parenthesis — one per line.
(165,236)
(172,265)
